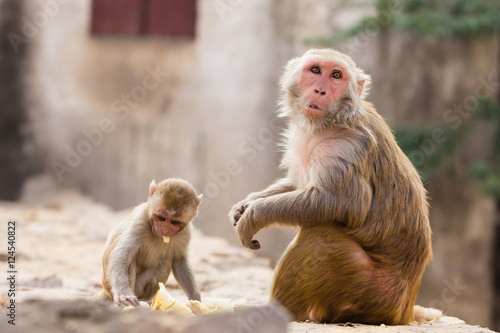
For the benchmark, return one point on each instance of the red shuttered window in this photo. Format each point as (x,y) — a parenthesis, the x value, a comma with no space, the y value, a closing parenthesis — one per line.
(175,18)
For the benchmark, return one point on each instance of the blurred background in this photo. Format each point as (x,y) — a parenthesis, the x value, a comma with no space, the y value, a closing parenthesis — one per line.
(103,96)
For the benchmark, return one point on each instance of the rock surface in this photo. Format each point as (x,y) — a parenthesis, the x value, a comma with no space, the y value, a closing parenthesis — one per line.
(58,246)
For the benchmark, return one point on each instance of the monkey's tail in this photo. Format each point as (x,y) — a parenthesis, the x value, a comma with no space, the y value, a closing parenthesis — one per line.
(426,315)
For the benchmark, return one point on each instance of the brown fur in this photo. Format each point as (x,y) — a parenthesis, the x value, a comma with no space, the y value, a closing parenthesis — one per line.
(365,237)
(135,259)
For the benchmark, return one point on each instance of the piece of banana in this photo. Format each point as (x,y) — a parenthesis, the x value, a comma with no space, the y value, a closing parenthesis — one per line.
(198,307)
(166,239)
(210,306)
(164,302)
(219,305)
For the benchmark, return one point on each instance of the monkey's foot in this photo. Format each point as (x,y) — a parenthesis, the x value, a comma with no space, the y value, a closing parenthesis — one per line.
(125,300)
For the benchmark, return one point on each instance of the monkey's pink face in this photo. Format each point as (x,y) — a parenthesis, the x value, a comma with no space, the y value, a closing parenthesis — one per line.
(166,222)
(322,83)
(165,225)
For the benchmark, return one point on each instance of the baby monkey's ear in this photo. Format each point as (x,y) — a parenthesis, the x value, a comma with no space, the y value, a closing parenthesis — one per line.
(152,187)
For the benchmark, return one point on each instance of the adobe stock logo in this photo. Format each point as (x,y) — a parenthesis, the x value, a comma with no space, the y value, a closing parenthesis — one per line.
(120,109)
(31,27)
(248,150)
(223,7)
(449,294)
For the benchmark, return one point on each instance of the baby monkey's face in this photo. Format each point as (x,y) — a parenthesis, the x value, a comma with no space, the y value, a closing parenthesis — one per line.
(173,204)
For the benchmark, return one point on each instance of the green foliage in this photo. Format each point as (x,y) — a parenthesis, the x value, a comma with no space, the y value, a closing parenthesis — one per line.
(428,18)
(487,172)
(489,179)
(430,150)
(382,20)
(464,18)
(487,110)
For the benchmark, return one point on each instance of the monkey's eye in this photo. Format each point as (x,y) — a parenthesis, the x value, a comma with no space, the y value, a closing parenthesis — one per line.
(160,218)
(176,223)
(315,70)
(337,74)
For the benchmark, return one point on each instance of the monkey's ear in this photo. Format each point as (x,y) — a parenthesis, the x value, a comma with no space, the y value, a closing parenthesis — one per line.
(292,64)
(364,82)
(152,187)
(289,77)
(361,84)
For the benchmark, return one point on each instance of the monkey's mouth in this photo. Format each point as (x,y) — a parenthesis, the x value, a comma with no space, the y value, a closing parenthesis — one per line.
(163,229)
(313,111)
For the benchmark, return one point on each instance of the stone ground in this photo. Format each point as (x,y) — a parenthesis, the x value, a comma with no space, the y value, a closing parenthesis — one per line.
(59,238)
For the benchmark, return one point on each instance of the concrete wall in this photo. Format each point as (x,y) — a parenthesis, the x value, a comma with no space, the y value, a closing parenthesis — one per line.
(108,125)
(17,157)
(237,97)
(435,85)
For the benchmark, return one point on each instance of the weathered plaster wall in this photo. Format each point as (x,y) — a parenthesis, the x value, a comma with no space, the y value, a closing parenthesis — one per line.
(17,156)
(109,126)
(435,86)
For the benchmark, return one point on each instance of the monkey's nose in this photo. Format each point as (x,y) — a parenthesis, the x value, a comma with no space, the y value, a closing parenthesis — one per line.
(320,92)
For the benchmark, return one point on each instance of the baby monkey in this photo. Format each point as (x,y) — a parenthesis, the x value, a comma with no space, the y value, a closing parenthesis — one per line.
(152,241)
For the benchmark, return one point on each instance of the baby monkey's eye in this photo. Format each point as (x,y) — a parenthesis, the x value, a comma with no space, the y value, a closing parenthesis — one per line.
(315,70)
(160,218)
(176,222)
(337,74)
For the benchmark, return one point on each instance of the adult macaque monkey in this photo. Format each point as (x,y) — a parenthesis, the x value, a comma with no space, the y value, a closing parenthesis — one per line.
(143,249)
(364,238)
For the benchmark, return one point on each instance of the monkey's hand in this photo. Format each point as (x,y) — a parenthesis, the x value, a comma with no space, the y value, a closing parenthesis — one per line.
(246,227)
(237,211)
(126,299)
